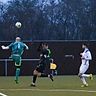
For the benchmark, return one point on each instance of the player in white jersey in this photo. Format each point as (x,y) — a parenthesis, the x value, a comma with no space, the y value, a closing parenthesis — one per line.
(85,58)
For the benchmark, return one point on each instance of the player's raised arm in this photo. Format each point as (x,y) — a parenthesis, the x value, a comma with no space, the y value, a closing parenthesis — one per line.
(5,47)
(26,47)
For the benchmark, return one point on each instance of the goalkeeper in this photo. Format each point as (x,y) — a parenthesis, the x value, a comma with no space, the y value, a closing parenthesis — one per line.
(17,50)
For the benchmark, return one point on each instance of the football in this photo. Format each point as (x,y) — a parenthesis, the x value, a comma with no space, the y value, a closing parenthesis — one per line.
(18,24)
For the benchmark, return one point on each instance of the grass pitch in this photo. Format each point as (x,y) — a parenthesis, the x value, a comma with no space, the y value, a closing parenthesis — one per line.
(62,86)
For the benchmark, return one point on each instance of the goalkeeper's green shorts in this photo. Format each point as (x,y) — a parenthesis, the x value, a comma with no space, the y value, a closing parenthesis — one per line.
(17,59)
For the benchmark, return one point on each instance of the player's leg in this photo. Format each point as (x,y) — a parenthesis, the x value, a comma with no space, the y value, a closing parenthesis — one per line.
(85,84)
(87,75)
(38,72)
(17,73)
(35,74)
(82,70)
(18,65)
(17,60)
(42,74)
(46,75)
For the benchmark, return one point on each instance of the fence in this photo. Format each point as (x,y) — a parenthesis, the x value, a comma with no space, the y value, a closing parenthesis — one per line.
(6,64)
(66,55)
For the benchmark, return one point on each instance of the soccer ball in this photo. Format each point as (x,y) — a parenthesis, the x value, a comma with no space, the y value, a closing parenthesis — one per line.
(18,24)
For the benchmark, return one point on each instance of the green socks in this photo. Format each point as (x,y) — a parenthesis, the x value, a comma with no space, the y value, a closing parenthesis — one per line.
(17,74)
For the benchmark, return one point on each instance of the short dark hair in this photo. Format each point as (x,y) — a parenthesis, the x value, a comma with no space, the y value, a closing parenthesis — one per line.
(45,44)
(41,45)
(86,44)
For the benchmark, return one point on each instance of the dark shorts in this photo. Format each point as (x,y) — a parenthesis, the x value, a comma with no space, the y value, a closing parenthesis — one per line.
(18,66)
(42,64)
(40,68)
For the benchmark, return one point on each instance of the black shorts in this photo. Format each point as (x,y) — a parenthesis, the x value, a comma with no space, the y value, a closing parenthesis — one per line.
(18,66)
(42,64)
(40,68)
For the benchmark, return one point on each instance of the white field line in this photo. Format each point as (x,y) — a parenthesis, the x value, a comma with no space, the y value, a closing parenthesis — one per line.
(1,94)
(51,90)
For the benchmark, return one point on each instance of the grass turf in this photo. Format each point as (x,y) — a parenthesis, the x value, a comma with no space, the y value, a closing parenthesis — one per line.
(62,86)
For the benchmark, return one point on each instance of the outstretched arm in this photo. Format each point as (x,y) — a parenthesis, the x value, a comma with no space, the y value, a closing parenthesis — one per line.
(26,47)
(5,47)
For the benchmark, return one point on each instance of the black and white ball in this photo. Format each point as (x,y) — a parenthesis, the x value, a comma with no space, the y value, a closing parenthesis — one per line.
(18,24)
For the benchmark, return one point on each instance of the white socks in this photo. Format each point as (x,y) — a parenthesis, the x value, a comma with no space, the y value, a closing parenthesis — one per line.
(83,80)
(85,75)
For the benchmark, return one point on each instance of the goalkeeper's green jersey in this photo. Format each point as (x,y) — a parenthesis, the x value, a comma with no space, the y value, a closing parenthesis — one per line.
(18,47)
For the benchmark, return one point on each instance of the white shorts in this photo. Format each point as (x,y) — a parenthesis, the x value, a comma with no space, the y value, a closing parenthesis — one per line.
(84,68)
